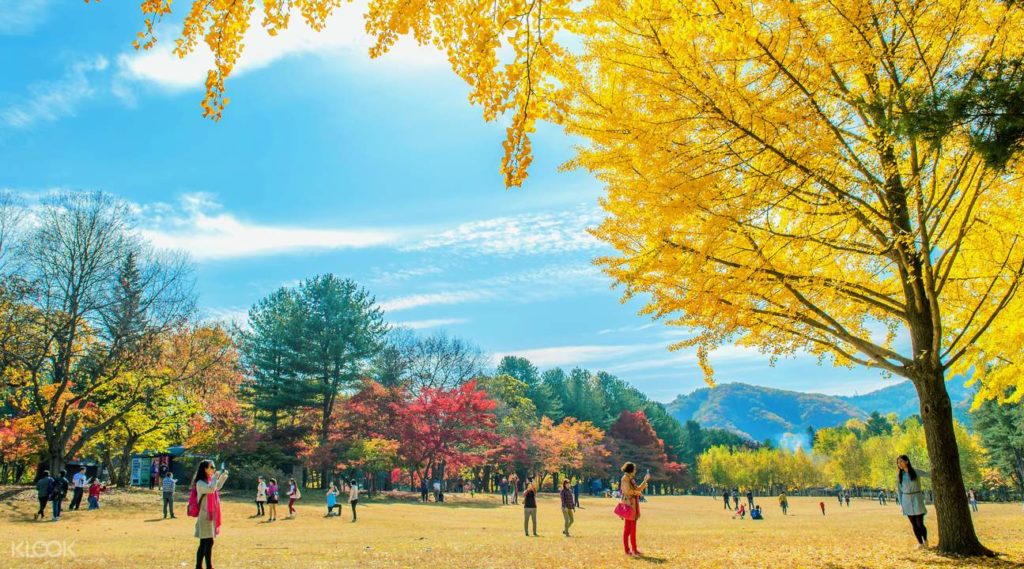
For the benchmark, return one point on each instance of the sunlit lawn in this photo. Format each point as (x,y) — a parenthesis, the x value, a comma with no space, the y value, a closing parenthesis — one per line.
(478,532)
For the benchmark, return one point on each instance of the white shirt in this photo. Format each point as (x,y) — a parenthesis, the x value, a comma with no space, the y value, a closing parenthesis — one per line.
(78,480)
(353,493)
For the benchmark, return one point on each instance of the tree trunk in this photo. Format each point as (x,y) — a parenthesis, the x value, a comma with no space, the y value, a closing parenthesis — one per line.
(956,527)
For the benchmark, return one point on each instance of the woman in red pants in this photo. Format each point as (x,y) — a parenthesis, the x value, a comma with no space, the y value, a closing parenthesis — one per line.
(631,492)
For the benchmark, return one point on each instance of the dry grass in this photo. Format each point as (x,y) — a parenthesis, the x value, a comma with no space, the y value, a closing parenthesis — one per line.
(470,533)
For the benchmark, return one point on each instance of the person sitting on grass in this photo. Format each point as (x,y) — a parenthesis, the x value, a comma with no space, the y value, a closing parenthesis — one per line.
(332,501)
(740,513)
(755,513)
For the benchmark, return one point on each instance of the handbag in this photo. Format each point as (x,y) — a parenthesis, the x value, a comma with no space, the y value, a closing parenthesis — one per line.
(624,511)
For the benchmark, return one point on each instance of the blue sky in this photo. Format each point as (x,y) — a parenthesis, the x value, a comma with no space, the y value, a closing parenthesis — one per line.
(326,161)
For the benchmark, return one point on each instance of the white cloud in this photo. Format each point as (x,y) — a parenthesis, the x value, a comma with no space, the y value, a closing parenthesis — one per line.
(527,286)
(628,329)
(434,298)
(344,35)
(530,234)
(18,17)
(426,324)
(51,100)
(207,234)
(387,277)
(230,315)
(725,355)
(572,355)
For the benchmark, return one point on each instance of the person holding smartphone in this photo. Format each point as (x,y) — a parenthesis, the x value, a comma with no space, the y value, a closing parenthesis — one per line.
(207,483)
(631,493)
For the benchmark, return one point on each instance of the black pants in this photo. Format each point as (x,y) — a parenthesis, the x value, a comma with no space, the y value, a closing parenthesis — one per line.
(76,499)
(205,551)
(425,495)
(259,508)
(42,505)
(353,504)
(920,531)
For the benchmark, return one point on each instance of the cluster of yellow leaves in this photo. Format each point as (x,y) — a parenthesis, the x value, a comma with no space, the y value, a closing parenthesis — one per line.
(751,151)
(506,50)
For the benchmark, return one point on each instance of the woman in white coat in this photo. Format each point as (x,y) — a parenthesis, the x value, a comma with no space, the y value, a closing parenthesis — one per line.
(207,483)
(908,484)
(261,496)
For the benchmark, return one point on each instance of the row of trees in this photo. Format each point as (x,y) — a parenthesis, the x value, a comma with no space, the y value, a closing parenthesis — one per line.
(102,356)
(857,455)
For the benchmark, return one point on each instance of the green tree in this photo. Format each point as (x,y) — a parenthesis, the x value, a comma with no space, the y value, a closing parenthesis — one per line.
(1001,428)
(544,395)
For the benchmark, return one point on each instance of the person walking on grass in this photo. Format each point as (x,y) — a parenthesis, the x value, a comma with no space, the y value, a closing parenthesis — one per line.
(822,506)
(58,491)
(353,497)
(725,498)
(972,499)
(908,483)
(784,503)
(78,483)
(881,497)
(293,495)
(576,493)
(631,494)
(94,494)
(43,493)
(204,503)
(261,496)
(424,491)
(568,506)
(750,499)
(272,499)
(513,481)
(503,486)
(847,498)
(529,507)
(168,486)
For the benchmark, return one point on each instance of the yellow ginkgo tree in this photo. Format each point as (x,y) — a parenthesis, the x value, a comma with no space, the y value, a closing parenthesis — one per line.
(769,182)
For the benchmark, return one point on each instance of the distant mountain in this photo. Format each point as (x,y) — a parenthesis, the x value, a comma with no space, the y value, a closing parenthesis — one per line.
(761,413)
(902,400)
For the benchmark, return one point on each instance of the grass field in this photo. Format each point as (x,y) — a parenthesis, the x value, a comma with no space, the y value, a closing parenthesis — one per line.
(479,532)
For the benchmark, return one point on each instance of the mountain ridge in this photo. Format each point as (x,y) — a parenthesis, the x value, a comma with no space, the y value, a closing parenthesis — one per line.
(759,412)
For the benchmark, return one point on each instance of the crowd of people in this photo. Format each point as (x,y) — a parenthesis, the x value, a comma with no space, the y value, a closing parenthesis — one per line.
(204,500)
(53,490)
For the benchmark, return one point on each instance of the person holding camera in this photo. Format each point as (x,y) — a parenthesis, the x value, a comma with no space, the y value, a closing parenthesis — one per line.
(631,493)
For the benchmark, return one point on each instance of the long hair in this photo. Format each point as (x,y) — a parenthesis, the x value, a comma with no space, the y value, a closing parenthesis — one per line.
(910,470)
(201,472)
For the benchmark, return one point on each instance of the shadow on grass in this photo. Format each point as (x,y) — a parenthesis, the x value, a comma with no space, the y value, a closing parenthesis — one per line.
(651,559)
(939,560)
